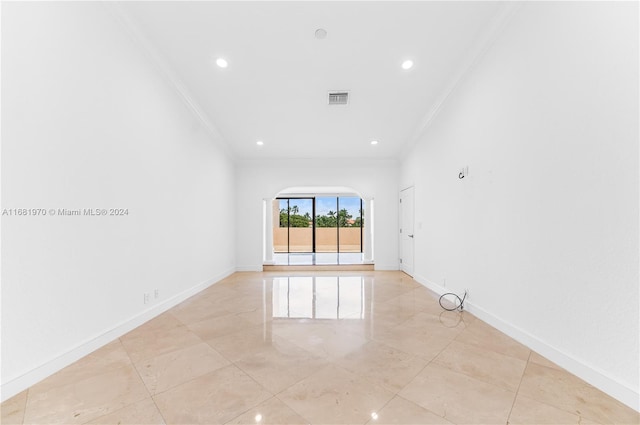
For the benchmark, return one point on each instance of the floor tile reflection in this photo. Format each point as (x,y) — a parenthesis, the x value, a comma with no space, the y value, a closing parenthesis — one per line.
(319,297)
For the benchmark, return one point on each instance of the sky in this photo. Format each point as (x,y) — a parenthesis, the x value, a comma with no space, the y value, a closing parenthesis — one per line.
(324,205)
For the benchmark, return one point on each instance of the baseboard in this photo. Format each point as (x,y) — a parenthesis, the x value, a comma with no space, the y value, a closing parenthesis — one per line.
(21,383)
(249,268)
(386,267)
(593,375)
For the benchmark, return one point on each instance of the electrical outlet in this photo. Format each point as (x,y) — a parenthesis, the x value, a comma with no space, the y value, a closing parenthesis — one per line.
(156,293)
(146,298)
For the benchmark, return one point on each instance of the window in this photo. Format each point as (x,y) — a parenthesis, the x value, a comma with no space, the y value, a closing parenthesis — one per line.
(318,224)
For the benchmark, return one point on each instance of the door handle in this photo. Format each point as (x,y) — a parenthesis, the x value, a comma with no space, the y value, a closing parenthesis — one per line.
(411,236)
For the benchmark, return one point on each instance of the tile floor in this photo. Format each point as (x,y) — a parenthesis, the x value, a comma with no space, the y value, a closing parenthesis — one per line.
(327,348)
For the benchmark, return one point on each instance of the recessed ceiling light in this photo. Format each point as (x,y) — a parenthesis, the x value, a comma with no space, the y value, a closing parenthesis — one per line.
(259,143)
(321,33)
(374,142)
(408,64)
(222,63)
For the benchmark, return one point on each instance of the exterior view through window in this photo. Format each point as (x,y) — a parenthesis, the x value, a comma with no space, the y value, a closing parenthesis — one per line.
(318,224)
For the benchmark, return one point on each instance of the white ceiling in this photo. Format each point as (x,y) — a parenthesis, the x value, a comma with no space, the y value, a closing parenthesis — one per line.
(275,87)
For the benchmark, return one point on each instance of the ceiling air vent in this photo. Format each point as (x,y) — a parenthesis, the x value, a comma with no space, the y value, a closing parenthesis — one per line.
(338,98)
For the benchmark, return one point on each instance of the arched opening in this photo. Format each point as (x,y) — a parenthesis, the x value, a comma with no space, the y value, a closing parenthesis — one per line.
(318,226)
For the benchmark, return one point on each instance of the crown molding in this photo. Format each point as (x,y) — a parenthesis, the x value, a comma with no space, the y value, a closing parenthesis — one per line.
(169,74)
(483,44)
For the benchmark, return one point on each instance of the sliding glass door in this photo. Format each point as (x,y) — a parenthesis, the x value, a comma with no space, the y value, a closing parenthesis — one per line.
(301,225)
(294,231)
(349,224)
(321,224)
(326,224)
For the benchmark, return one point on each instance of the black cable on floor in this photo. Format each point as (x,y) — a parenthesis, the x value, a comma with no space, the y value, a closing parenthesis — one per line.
(460,306)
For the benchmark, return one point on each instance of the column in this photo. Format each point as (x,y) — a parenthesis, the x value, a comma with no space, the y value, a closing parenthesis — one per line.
(267,210)
(368,231)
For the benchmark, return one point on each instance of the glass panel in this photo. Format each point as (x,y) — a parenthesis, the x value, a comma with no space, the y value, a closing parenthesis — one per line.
(327,257)
(300,259)
(350,258)
(280,225)
(326,224)
(349,221)
(300,225)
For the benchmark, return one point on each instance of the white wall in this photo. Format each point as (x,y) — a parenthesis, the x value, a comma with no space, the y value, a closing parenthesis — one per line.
(544,231)
(87,122)
(258,180)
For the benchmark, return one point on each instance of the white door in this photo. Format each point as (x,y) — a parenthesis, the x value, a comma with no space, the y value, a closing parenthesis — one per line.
(406,231)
